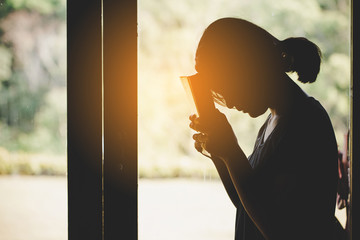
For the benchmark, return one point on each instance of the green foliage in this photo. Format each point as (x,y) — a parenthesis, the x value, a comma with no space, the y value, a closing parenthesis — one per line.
(18,104)
(32,87)
(32,76)
(46,7)
(5,63)
(31,164)
(47,133)
(33,69)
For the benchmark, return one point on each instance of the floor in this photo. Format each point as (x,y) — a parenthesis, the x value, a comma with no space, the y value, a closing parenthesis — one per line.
(35,208)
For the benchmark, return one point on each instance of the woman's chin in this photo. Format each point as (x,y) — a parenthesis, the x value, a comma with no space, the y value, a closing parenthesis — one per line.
(255,114)
(252,115)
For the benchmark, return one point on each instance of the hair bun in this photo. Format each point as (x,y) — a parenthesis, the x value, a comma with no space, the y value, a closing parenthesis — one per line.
(301,56)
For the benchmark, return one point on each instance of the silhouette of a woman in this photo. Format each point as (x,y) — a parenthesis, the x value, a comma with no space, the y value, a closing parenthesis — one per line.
(286,189)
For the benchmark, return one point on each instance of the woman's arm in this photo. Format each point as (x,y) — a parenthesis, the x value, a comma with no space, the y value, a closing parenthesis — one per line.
(226,180)
(219,139)
(243,177)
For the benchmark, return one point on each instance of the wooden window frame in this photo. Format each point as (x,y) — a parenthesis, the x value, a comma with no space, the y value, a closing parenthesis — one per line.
(355,120)
(102,119)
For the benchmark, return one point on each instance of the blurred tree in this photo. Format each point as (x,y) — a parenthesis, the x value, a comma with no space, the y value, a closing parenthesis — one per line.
(33,68)
(33,62)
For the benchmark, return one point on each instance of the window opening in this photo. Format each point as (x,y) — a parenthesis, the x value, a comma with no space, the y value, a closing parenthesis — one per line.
(168,36)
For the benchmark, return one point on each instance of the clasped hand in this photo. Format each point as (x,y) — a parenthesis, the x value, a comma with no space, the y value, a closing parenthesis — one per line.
(215,135)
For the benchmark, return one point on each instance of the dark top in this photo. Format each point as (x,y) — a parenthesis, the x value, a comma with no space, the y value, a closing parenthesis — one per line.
(295,176)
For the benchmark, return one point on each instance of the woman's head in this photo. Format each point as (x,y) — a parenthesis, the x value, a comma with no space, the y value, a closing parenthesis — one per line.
(243,63)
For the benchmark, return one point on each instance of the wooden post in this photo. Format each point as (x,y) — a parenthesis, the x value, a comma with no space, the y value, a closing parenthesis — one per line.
(84,119)
(120,119)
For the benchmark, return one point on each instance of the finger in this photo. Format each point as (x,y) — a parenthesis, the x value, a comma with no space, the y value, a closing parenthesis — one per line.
(197,126)
(198,146)
(195,119)
(200,137)
(192,117)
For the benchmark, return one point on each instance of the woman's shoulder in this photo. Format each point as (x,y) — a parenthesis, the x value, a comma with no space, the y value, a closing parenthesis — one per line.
(308,134)
(311,125)
(306,108)
(307,111)
(313,114)
(306,123)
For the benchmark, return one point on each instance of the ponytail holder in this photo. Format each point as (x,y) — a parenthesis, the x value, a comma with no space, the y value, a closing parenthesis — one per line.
(287,62)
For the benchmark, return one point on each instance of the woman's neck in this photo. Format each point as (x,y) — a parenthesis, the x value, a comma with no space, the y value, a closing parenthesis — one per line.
(286,95)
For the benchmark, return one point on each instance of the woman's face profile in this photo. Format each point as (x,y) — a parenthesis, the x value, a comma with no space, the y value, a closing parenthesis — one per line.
(240,88)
